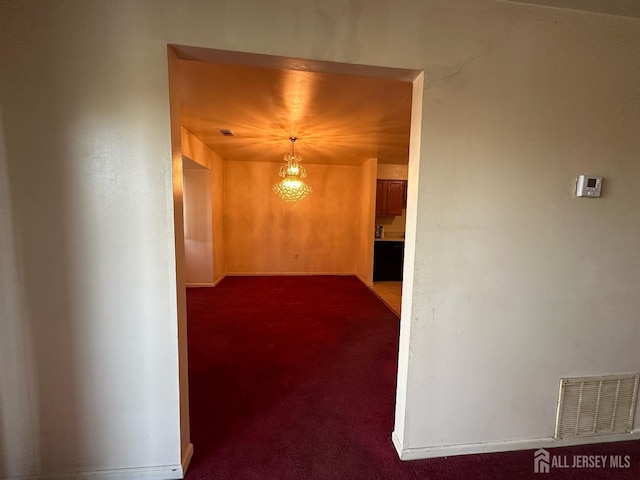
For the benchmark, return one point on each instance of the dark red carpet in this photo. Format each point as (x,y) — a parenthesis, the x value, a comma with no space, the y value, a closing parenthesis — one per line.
(294,378)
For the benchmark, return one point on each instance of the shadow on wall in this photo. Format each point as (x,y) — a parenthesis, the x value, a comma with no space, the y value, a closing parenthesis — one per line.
(37,347)
(38,364)
(12,348)
(91,363)
(41,427)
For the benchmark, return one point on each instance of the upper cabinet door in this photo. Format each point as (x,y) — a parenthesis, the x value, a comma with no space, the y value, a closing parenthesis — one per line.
(395,196)
(381,197)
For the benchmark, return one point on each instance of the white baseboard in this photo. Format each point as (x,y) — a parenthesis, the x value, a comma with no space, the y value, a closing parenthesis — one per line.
(164,472)
(186,458)
(368,284)
(504,446)
(397,444)
(206,284)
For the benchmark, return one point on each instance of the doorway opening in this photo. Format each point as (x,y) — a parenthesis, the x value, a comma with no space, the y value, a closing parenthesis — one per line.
(390,231)
(353,124)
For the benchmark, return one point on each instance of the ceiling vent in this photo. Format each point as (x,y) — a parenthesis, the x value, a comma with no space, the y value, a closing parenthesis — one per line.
(226,132)
(594,406)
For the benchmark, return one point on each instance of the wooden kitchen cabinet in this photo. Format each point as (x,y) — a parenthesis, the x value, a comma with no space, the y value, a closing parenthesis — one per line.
(381,197)
(391,197)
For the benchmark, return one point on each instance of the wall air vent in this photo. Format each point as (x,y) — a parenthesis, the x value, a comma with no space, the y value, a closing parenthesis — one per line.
(226,132)
(594,406)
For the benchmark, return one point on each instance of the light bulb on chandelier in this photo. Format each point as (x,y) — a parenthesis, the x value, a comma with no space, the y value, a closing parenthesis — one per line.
(292,188)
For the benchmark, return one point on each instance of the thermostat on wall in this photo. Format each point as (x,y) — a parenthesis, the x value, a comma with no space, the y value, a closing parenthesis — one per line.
(588,186)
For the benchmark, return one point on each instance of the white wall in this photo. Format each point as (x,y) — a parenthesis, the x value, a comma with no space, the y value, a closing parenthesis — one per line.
(193,148)
(198,225)
(507,291)
(516,282)
(89,243)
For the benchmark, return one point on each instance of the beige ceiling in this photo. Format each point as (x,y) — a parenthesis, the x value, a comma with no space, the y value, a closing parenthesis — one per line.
(339,119)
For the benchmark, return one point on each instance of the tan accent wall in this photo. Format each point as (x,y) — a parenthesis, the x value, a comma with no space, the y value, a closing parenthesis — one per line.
(266,235)
(366,214)
(193,148)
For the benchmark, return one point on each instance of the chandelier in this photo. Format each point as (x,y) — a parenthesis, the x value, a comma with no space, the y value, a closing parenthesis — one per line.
(291,188)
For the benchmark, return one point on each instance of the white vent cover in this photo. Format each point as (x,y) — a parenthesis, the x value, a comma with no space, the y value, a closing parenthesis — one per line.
(226,132)
(591,406)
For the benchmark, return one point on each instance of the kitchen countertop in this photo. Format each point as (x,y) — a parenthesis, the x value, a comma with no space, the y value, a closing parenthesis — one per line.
(391,238)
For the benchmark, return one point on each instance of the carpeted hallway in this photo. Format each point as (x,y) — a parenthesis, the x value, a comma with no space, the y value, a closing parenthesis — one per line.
(294,378)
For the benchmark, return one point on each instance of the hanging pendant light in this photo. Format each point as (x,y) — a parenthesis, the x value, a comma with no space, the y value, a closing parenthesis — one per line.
(291,188)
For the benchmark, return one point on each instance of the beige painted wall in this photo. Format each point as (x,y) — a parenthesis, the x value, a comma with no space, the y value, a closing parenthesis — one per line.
(392,171)
(393,224)
(505,295)
(264,234)
(365,220)
(193,148)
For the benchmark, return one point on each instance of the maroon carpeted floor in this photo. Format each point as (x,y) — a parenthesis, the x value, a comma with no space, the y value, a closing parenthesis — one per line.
(294,378)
